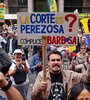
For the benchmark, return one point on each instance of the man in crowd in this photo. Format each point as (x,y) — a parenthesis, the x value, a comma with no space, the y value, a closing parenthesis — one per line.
(12,43)
(10,91)
(58,81)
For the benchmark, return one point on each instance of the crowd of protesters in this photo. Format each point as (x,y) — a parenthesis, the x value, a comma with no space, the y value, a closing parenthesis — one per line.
(64,68)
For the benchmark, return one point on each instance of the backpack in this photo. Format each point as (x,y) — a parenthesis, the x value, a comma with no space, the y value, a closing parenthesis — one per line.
(20,75)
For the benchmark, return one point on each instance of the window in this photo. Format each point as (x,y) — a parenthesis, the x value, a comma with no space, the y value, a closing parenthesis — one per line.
(12,3)
(83,6)
(17,6)
(22,2)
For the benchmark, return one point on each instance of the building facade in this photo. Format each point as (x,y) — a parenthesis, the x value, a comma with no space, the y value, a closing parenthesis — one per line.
(14,6)
(83,6)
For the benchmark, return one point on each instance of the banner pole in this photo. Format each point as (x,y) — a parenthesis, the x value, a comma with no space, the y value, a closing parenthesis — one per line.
(44,50)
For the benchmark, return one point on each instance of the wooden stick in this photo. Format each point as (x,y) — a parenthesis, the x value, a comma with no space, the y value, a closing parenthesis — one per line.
(44,49)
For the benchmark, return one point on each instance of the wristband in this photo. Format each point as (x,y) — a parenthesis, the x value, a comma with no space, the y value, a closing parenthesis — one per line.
(8,86)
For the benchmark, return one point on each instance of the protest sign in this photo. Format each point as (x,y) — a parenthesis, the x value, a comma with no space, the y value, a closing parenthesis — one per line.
(60,28)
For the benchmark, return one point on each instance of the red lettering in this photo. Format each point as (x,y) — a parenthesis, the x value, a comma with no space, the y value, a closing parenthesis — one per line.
(63,40)
(56,40)
(49,40)
(59,39)
(72,40)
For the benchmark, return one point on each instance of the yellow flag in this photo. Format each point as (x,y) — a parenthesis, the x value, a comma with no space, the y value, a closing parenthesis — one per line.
(85,24)
(72,48)
(52,5)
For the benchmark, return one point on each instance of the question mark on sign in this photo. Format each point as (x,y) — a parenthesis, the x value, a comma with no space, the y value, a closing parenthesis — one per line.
(72,22)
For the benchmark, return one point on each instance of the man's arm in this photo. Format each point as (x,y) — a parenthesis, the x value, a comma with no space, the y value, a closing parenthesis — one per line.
(11,92)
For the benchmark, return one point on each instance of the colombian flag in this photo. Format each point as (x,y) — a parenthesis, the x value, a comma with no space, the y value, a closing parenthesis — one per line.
(52,5)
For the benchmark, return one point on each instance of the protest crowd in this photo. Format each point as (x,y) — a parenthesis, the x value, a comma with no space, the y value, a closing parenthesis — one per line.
(67,70)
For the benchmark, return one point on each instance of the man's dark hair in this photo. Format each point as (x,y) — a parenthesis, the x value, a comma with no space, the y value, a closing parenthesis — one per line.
(54,52)
(77,89)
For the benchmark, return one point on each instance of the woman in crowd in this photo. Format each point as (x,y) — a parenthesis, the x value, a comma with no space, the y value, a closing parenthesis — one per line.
(80,91)
(81,67)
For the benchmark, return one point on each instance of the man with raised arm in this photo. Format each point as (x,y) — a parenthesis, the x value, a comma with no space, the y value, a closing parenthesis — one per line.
(11,92)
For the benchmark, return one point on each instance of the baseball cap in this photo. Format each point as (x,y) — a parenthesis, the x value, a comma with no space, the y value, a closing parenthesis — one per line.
(17,51)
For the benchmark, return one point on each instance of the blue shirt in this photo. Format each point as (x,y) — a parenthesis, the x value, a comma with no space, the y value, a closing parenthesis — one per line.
(36,59)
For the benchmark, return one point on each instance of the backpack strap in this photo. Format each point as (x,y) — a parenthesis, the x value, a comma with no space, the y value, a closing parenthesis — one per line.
(84,66)
(19,65)
(13,62)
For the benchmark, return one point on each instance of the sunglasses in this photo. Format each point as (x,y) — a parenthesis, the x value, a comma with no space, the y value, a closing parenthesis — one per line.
(53,60)
(83,48)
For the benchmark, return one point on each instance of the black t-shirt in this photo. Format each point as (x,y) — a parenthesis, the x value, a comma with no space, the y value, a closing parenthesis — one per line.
(57,89)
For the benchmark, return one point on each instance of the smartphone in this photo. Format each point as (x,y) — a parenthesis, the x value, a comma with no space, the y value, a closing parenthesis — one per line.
(23,57)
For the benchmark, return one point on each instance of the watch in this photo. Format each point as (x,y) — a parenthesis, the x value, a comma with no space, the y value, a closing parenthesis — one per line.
(7,86)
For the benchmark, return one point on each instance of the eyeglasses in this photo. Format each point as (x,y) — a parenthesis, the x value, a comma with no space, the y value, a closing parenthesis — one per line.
(55,60)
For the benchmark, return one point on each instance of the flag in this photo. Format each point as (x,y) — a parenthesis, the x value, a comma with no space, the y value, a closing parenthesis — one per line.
(72,48)
(2,12)
(52,5)
(85,24)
